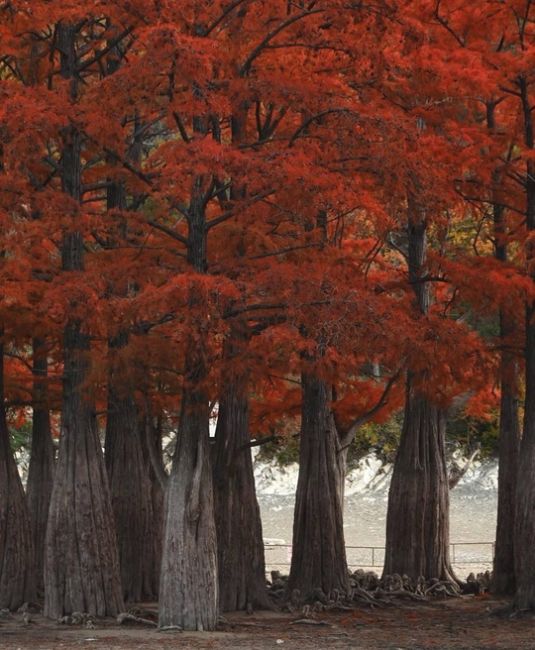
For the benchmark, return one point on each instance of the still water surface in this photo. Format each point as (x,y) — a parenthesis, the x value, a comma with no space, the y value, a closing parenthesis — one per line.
(472,519)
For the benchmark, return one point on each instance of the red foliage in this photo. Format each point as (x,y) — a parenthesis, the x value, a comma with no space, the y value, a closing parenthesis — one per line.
(301,130)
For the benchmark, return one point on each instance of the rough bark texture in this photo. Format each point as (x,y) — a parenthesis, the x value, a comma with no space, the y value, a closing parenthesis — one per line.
(503,578)
(127,465)
(417,525)
(81,562)
(188,582)
(417,529)
(525,493)
(131,492)
(318,556)
(41,469)
(509,445)
(16,553)
(153,437)
(242,577)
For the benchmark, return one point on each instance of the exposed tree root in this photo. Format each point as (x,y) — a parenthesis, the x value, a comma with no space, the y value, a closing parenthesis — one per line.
(370,590)
(125,617)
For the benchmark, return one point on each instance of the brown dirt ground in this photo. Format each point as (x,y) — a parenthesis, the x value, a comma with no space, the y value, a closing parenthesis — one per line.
(468,622)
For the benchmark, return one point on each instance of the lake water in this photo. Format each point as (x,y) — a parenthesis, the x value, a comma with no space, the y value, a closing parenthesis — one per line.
(473,506)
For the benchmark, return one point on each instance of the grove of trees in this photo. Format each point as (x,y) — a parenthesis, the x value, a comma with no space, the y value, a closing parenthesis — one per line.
(297,214)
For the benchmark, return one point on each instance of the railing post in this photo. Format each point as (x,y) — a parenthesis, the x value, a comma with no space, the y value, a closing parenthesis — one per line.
(453,546)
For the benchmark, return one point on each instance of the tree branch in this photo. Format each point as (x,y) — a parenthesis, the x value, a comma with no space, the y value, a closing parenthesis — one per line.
(168,231)
(313,118)
(347,437)
(446,25)
(98,55)
(244,70)
(230,213)
(259,441)
(255,307)
(222,17)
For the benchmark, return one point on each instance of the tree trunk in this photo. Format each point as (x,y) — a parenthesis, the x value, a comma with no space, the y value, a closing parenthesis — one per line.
(153,436)
(503,579)
(242,576)
(524,531)
(525,494)
(81,562)
(188,581)
(509,445)
(131,491)
(17,574)
(417,529)
(41,469)
(318,555)
(417,524)
(129,470)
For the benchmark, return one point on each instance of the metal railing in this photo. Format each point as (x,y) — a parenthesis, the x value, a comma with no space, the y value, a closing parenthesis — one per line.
(357,556)
(455,545)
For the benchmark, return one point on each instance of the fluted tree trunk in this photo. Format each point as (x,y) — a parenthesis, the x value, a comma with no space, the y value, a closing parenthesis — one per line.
(242,579)
(240,546)
(137,523)
(417,532)
(131,492)
(81,562)
(42,457)
(417,524)
(188,582)
(153,438)
(189,594)
(318,548)
(508,450)
(524,531)
(318,555)
(17,573)
(503,579)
